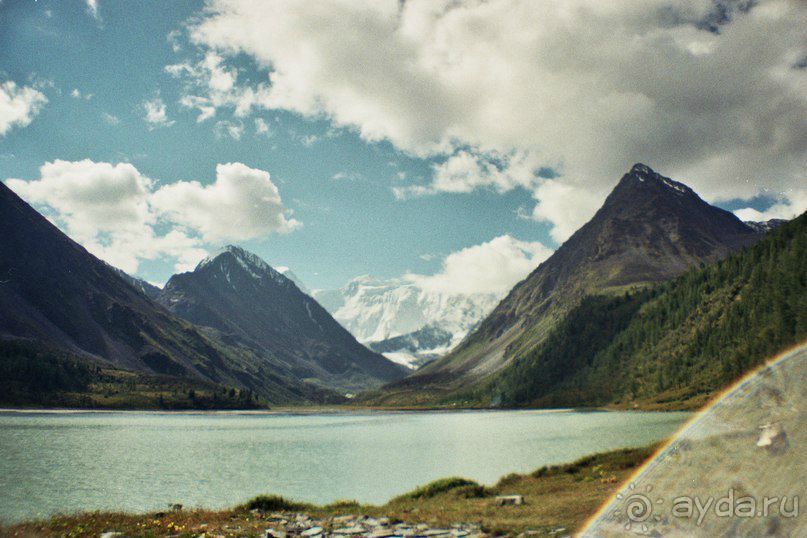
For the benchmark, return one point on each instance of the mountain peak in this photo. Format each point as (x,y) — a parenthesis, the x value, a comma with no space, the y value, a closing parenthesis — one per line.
(642,178)
(642,169)
(245,258)
(236,293)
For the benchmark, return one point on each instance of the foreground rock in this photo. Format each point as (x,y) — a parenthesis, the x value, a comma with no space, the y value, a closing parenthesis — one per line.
(283,525)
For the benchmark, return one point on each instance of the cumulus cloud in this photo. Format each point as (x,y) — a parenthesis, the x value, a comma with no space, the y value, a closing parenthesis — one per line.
(18,105)
(491,267)
(241,204)
(156,115)
(789,205)
(103,206)
(566,205)
(119,215)
(707,92)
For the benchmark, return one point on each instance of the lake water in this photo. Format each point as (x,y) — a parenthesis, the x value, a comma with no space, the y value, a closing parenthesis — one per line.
(67,462)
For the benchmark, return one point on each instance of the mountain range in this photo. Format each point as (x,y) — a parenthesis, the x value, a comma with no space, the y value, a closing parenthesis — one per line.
(58,298)
(401,319)
(658,300)
(649,230)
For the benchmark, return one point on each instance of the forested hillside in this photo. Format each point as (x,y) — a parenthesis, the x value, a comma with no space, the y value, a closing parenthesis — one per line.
(672,344)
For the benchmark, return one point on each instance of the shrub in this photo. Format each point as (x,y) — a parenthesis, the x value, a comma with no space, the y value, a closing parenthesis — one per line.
(274,503)
(344,505)
(439,486)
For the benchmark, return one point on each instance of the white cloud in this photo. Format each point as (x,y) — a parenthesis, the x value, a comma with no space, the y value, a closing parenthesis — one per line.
(156,115)
(229,128)
(346,176)
(111,119)
(211,85)
(567,206)
(173,39)
(309,140)
(491,267)
(92,9)
(585,86)
(790,205)
(78,94)
(116,213)
(18,105)
(102,206)
(241,204)
(262,128)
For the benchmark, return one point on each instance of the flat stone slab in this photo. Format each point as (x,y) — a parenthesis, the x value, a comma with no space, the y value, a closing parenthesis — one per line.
(350,531)
(509,500)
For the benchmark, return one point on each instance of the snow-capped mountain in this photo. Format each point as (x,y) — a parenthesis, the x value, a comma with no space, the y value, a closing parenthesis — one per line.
(417,348)
(765,225)
(380,311)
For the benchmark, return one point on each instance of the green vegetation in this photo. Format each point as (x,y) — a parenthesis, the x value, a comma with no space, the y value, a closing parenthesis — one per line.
(274,503)
(32,376)
(468,488)
(671,345)
(28,375)
(562,496)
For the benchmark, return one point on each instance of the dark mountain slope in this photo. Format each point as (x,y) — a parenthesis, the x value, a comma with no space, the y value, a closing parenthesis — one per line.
(676,342)
(149,290)
(649,229)
(245,300)
(54,294)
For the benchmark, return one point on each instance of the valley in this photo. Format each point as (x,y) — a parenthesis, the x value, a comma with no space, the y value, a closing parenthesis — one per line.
(402,268)
(672,295)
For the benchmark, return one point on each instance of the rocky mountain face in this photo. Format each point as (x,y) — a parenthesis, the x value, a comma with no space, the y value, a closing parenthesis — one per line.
(649,229)
(378,312)
(146,288)
(288,273)
(243,300)
(54,295)
(416,348)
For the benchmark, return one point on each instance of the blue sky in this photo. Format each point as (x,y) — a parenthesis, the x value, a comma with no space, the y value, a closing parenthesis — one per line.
(420,173)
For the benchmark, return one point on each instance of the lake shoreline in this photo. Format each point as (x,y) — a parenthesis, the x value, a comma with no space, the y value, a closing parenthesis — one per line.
(301,410)
(557,501)
(140,461)
(337,410)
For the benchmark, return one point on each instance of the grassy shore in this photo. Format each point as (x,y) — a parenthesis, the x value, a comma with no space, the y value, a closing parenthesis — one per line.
(558,500)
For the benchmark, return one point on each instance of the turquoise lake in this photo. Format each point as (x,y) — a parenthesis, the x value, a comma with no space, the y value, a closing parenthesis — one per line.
(67,462)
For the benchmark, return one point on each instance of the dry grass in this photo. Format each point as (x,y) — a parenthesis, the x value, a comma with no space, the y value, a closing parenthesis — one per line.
(556,497)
